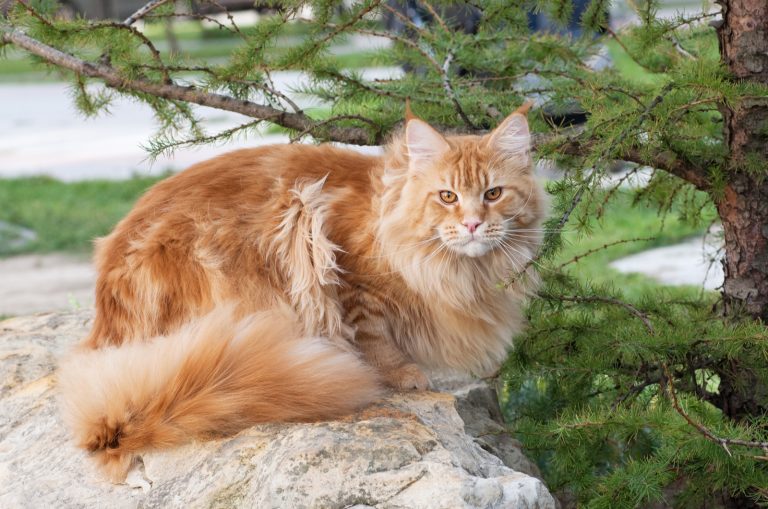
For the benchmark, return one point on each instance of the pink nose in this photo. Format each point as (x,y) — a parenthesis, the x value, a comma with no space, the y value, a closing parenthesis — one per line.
(472,225)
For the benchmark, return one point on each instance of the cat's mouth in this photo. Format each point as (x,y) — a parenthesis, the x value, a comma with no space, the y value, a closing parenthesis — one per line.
(472,247)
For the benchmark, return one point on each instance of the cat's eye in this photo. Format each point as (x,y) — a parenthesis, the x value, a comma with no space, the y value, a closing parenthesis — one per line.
(448,196)
(493,194)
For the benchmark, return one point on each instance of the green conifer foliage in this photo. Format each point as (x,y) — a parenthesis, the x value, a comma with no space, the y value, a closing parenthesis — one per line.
(625,395)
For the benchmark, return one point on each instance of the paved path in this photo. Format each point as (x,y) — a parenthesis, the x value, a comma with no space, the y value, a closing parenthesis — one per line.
(37,283)
(42,133)
(693,262)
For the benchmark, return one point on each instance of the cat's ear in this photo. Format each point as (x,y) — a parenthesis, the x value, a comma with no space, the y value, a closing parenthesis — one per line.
(512,138)
(423,142)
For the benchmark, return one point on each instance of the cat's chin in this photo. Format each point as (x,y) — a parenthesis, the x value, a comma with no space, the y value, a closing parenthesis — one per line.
(473,248)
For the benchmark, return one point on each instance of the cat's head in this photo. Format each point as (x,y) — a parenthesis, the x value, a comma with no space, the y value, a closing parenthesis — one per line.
(472,196)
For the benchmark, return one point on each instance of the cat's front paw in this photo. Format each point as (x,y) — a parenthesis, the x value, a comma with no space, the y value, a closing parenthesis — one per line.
(407,377)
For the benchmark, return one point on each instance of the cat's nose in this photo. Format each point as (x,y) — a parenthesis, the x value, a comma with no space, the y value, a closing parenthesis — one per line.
(472,224)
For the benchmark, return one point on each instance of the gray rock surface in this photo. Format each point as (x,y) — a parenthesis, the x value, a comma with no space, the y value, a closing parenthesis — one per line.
(406,451)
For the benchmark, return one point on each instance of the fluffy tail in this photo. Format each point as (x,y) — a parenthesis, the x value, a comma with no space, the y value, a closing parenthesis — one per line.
(216,376)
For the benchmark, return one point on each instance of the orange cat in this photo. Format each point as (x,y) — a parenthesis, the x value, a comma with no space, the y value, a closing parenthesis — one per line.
(284,283)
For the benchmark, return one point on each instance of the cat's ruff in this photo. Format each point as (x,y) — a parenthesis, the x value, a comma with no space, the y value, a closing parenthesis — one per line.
(287,283)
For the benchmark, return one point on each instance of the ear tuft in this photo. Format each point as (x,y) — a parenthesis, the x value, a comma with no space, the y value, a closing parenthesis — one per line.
(423,142)
(525,108)
(408,112)
(512,138)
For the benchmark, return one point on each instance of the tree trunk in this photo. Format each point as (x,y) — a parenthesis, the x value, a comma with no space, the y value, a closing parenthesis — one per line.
(744,208)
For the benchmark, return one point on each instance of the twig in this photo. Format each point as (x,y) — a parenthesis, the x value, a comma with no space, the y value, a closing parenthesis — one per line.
(144,39)
(709,435)
(451,93)
(407,21)
(633,391)
(679,47)
(614,189)
(222,135)
(229,16)
(143,11)
(437,16)
(337,29)
(107,24)
(607,300)
(604,246)
(194,15)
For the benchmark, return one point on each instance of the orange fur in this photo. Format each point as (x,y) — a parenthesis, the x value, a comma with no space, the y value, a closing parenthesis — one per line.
(358,250)
(215,376)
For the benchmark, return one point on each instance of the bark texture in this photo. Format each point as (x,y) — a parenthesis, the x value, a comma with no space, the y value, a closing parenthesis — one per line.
(744,208)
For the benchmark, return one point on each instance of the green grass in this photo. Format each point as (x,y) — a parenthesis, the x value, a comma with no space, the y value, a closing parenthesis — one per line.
(192,29)
(629,69)
(66,216)
(624,221)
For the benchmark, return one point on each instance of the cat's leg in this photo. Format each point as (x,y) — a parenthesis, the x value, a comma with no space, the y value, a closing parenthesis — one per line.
(380,350)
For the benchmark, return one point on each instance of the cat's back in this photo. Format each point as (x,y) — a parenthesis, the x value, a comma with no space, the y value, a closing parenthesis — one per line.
(248,182)
(258,173)
(209,233)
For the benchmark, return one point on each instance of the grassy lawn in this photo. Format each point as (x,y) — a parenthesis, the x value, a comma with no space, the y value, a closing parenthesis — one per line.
(66,216)
(624,221)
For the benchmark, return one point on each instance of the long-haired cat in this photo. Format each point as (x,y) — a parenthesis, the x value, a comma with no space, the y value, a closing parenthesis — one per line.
(288,283)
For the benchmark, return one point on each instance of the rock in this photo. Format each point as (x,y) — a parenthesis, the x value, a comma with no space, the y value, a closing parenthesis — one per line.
(406,451)
(478,406)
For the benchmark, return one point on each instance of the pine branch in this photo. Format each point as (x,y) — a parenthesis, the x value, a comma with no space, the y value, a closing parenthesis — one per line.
(706,432)
(666,160)
(113,79)
(643,317)
(572,143)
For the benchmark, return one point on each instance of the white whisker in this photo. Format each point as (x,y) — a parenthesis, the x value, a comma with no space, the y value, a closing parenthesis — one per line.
(520,210)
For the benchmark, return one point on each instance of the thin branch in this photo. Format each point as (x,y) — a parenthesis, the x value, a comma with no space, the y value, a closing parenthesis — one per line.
(706,432)
(604,246)
(437,16)
(194,15)
(451,93)
(113,79)
(337,29)
(229,16)
(156,149)
(144,39)
(424,34)
(679,47)
(633,391)
(143,11)
(606,300)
